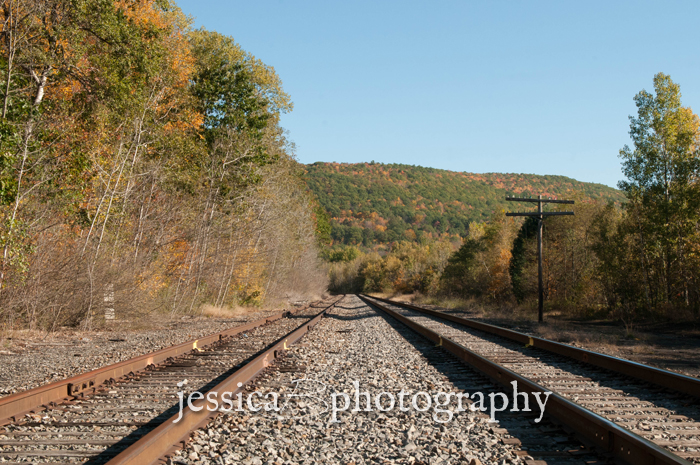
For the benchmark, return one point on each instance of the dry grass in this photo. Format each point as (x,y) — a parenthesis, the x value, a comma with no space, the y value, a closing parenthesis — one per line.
(562,331)
(643,349)
(474,308)
(525,317)
(390,295)
(211,311)
(39,334)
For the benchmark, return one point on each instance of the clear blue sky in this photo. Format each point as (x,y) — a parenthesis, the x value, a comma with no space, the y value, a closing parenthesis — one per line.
(490,86)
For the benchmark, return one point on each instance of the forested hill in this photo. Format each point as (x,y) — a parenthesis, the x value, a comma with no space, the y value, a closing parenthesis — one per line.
(374,203)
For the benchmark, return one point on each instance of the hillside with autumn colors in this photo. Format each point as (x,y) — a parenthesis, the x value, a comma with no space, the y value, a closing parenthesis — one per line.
(375,203)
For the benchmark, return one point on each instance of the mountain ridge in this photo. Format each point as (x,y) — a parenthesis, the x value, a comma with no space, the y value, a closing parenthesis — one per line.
(374,203)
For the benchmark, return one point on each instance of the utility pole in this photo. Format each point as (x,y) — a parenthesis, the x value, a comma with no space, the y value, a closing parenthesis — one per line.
(540,214)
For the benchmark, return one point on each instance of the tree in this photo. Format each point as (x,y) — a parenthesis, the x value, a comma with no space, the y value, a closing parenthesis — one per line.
(142,161)
(522,256)
(463,273)
(480,266)
(662,188)
(323,224)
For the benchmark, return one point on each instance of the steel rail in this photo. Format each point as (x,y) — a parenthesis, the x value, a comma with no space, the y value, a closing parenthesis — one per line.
(167,437)
(592,428)
(14,406)
(664,378)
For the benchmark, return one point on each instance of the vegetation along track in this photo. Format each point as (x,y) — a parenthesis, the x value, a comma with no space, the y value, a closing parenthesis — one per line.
(661,409)
(128,420)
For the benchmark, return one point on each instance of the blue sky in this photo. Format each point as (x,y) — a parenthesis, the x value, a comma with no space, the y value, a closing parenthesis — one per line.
(489,86)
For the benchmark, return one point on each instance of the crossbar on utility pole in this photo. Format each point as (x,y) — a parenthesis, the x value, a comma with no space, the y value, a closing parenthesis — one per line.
(540,214)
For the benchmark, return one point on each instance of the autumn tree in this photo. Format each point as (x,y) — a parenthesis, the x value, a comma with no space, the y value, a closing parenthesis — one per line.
(240,99)
(623,282)
(481,265)
(663,193)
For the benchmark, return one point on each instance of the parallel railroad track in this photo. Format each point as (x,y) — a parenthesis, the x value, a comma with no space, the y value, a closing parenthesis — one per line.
(355,344)
(102,417)
(655,419)
(599,413)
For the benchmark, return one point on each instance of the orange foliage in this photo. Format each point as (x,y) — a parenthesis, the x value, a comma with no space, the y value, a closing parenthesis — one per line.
(180,60)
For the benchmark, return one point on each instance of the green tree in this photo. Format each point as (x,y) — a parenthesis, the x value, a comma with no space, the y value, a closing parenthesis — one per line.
(323,224)
(661,186)
(522,257)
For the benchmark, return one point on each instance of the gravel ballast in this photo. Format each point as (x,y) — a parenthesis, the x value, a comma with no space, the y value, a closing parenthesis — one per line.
(29,364)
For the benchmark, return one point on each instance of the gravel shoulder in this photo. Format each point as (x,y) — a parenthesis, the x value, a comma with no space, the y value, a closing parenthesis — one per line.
(674,347)
(28,361)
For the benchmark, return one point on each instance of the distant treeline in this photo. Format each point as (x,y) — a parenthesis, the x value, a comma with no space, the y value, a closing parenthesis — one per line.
(373,204)
(640,258)
(142,167)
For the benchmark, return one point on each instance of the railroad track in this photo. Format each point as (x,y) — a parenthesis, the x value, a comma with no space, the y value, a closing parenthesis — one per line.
(123,413)
(637,413)
(360,344)
(108,417)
